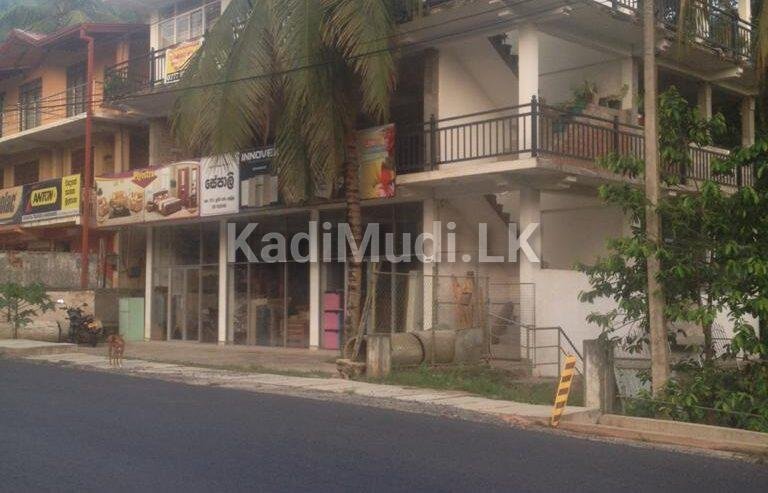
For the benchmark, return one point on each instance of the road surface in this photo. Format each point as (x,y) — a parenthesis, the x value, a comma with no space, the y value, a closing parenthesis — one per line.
(69,430)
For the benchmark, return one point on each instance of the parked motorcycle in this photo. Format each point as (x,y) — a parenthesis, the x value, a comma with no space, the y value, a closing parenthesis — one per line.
(83,327)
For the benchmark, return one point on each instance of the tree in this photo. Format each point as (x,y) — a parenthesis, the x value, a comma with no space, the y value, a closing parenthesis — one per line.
(656,321)
(50,15)
(690,269)
(20,303)
(301,73)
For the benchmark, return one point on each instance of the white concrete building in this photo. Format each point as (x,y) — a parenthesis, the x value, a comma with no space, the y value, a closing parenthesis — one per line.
(482,137)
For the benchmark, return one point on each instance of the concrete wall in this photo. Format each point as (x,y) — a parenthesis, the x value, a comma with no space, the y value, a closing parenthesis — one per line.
(564,66)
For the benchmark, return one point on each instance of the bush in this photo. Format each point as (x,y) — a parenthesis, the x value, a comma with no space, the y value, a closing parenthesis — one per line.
(736,397)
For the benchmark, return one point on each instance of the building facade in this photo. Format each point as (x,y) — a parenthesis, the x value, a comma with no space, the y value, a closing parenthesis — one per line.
(484,132)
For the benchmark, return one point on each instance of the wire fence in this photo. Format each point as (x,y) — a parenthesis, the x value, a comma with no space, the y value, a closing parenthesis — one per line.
(412,301)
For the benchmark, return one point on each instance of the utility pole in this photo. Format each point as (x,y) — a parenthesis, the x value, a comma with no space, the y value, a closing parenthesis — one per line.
(657,322)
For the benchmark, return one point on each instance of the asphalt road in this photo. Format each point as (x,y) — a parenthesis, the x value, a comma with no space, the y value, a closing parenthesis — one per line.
(68,430)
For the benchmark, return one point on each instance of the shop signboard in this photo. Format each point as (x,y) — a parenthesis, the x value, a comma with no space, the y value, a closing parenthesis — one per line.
(377,164)
(11,200)
(147,195)
(177,57)
(258,181)
(219,185)
(51,199)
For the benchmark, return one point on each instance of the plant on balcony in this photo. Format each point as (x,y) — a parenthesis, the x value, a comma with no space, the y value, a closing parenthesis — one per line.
(20,303)
(301,73)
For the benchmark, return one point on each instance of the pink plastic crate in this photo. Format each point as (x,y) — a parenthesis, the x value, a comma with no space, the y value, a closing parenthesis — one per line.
(332,301)
(332,321)
(331,339)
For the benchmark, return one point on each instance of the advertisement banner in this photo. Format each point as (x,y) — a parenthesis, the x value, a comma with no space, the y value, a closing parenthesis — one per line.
(10,205)
(219,186)
(258,182)
(52,199)
(149,194)
(176,59)
(376,148)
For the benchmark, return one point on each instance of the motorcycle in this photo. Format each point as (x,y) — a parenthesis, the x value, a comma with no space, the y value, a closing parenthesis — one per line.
(83,327)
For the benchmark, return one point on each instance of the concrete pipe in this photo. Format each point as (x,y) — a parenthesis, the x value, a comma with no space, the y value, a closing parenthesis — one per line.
(407,349)
(439,345)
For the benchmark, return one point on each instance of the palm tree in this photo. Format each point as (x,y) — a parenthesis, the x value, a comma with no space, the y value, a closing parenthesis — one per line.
(46,16)
(301,72)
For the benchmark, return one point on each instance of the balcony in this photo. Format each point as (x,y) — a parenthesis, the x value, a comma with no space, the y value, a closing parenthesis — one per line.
(713,27)
(39,121)
(571,140)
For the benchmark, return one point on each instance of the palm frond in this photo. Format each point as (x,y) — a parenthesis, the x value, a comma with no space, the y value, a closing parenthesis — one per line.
(363,31)
(227,89)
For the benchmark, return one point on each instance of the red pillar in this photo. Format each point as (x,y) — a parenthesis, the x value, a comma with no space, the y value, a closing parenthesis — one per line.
(88,171)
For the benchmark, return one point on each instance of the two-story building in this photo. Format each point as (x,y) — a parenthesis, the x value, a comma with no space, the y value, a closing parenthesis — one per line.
(501,110)
(44,124)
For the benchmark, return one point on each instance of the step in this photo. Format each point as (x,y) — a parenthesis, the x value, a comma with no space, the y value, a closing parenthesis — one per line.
(666,438)
(20,348)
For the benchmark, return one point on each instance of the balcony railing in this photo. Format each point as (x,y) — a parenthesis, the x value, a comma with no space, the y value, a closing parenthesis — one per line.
(50,109)
(537,130)
(709,25)
(137,74)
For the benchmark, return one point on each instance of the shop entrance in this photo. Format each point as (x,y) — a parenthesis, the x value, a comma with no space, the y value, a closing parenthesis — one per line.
(269,301)
(185,284)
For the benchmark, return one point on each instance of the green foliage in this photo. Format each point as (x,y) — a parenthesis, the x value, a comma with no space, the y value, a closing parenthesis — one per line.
(21,303)
(298,72)
(715,395)
(47,16)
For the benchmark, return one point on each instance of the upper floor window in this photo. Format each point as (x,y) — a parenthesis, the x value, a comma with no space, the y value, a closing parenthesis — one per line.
(26,173)
(76,85)
(30,97)
(187,20)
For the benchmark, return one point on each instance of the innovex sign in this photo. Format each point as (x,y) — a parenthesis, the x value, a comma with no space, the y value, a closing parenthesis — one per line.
(52,199)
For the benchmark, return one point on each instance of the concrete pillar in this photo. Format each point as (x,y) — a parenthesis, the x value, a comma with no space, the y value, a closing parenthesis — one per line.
(745,10)
(121,151)
(528,52)
(378,358)
(223,283)
(599,378)
(315,289)
(530,213)
(430,214)
(747,121)
(431,83)
(630,77)
(705,100)
(148,277)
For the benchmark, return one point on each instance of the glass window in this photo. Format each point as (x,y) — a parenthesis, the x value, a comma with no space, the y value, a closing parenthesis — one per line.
(212,12)
(182,28)
(196,24)
(30,95)
(166,33)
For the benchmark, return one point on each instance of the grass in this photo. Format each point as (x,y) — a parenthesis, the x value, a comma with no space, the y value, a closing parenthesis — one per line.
(483,381)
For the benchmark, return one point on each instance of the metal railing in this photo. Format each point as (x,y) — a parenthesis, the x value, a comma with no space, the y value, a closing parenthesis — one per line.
(537,129)
(50,109)
(138,74)
(707,24)
(408,10)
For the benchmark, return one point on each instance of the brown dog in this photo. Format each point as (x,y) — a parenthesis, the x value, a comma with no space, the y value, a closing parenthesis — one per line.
(116,345)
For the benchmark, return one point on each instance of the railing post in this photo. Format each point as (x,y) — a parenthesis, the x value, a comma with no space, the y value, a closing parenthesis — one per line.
(739,177)
(616,135)
(534,126)
(432,142)
(152,68)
